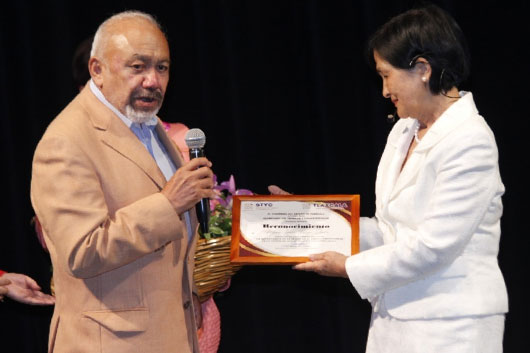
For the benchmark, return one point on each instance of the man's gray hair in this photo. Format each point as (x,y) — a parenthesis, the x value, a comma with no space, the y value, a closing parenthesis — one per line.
(97,43)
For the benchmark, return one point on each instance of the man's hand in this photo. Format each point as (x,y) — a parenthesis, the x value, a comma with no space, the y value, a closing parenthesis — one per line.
(24,289)
(191,182)
(330,263)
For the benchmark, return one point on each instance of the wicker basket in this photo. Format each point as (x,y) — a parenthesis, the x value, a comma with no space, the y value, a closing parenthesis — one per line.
(212,266)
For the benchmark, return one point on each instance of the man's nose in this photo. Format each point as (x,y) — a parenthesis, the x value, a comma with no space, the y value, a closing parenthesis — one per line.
(152,79)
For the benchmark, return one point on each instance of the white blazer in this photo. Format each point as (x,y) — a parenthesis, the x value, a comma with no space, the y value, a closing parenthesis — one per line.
(431,249)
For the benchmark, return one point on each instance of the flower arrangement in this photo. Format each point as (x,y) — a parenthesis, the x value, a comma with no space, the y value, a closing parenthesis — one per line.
(220,222)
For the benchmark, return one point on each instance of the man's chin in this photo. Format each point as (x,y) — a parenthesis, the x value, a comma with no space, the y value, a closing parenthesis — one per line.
(140,115)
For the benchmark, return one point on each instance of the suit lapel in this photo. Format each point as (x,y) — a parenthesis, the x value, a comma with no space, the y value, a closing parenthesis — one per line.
(170,146)
(451,119)
(176,157)
(134,150)
(115,134)
(408,173)
(119,137)
(400,143)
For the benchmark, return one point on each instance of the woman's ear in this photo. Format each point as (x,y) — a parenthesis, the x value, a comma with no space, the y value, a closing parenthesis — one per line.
(423,68)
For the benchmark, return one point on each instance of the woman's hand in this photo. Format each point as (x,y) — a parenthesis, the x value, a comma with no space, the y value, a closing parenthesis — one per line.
(24,289)
(3,287)
(330,263)
(276,190)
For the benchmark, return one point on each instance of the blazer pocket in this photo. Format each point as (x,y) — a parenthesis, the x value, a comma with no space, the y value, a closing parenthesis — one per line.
(130,320)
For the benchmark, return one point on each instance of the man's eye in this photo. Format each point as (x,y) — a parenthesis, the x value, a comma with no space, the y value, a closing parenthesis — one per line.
(163,68)
(137,67)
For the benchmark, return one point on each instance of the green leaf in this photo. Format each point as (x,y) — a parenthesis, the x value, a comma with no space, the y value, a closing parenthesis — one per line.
(216,230)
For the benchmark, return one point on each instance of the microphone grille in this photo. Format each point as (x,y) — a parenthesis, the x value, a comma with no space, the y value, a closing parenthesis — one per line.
(195,138)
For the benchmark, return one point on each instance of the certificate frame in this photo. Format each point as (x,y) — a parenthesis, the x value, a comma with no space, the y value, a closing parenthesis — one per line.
(244,252)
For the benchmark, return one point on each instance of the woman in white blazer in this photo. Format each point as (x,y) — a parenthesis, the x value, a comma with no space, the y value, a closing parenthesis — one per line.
(428,260)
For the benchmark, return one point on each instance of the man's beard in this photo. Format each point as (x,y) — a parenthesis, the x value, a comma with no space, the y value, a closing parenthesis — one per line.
(141,116)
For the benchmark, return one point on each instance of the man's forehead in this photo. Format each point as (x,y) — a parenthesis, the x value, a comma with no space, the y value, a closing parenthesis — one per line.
(120,41)
(138,41)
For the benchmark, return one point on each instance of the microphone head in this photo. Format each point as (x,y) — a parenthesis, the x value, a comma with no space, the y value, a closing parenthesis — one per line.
(195,138)
(391,117)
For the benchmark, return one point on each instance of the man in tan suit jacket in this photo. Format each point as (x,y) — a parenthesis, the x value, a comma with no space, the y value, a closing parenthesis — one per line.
(115,201)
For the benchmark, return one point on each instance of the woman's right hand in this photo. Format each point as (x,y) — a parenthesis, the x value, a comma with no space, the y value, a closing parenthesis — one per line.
(276,190)
(3,287)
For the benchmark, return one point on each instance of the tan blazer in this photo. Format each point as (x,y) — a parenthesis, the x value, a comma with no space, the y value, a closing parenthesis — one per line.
(122,265)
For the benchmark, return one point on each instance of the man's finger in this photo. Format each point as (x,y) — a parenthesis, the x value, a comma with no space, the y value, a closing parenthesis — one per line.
(196,163)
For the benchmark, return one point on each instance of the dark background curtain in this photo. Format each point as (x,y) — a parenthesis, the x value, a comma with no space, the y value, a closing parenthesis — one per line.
(284,95)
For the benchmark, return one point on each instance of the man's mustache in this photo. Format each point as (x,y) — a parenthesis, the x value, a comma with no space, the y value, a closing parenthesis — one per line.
(147,94)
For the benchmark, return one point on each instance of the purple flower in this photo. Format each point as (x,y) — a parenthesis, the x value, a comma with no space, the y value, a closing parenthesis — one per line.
(225,191)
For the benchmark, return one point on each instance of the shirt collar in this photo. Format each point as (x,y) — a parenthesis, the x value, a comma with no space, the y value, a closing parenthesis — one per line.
(99,95)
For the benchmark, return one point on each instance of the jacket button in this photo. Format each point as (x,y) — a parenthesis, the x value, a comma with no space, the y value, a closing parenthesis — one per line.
(187,304)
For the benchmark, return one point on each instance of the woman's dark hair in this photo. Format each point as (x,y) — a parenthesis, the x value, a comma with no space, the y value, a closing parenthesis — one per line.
(428,32)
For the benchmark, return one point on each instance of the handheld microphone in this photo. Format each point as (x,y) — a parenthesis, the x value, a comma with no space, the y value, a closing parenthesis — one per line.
(195,139)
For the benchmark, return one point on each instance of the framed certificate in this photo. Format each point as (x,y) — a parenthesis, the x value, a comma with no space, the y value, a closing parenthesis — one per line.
(286,229)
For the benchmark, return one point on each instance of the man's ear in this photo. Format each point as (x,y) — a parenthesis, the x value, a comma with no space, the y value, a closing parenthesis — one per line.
(95,67)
